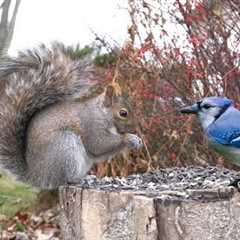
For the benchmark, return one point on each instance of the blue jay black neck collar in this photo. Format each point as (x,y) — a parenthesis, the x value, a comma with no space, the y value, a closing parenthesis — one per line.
(223,110)
(199,104)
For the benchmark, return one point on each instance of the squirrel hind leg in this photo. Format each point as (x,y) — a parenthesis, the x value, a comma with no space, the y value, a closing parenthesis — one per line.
(60,161)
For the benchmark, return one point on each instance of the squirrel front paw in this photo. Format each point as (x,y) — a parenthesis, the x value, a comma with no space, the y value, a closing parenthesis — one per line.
(133,141)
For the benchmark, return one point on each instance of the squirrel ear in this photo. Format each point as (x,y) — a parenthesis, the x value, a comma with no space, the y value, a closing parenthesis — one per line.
(109,96)
(113,90)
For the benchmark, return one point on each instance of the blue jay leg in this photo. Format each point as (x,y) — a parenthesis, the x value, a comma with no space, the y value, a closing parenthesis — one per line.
(235,183)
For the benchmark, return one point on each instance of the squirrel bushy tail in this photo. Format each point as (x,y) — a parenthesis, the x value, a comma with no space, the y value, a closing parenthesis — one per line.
(29,82)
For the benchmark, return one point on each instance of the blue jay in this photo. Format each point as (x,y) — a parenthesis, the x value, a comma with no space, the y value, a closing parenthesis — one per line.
(220,121)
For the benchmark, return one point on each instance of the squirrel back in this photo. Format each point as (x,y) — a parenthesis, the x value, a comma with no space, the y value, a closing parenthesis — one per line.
(48,137)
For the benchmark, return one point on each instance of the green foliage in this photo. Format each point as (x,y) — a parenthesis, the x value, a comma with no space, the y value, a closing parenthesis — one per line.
(99,59)
(20,227)
(76,52)
(15,196)
(105,60)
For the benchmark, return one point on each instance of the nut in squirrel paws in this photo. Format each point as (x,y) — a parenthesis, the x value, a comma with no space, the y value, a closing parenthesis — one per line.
(133,141)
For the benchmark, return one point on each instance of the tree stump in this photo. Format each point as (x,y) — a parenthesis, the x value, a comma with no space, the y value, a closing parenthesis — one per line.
(170,204)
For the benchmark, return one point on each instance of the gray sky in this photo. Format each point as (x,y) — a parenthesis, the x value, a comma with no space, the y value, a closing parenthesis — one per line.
(69,21)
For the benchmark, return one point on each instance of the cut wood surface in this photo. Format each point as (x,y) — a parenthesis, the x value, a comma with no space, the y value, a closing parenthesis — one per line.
(171,204)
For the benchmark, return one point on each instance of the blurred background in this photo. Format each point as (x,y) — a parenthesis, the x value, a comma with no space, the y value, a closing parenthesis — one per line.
(163,53)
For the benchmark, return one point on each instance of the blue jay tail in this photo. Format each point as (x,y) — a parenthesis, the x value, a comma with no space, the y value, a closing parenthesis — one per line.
(193,109)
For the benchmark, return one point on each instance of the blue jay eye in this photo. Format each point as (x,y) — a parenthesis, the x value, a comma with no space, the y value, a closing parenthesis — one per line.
(206,106)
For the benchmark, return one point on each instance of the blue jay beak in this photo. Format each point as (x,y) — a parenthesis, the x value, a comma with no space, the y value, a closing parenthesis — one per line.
(190,109)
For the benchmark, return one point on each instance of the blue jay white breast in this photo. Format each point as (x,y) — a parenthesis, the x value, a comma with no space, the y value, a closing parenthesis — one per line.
(220,121)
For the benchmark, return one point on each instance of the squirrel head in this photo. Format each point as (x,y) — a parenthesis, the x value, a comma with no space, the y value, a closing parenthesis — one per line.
(120,107)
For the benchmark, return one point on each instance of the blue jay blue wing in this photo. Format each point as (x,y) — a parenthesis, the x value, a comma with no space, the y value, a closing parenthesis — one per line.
(225,136)
(226,129)
(236,141)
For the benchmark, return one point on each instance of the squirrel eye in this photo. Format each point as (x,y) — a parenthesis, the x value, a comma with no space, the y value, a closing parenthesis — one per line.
(123,113)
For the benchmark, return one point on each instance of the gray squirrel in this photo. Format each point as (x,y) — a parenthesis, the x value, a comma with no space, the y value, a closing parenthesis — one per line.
(49,134)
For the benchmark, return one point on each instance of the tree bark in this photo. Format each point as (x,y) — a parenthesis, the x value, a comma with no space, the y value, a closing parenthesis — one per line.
(100,214)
